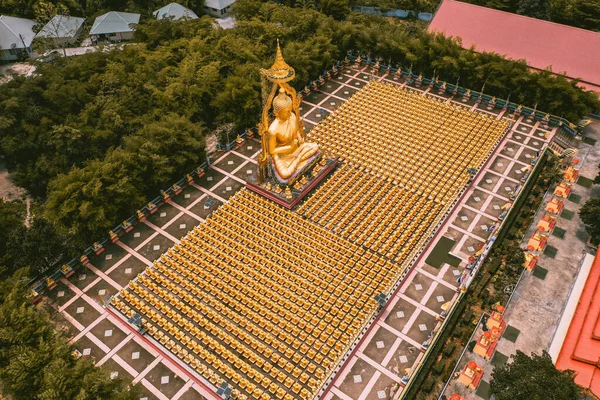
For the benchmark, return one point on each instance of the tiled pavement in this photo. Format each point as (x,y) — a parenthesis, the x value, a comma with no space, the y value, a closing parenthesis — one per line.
(392,343)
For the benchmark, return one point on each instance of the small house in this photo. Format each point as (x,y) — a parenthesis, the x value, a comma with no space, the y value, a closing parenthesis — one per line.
(16,35)
(114,26)
(174,12)
(62,30)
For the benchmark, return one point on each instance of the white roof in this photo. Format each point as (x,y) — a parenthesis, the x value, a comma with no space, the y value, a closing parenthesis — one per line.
(175,11)
(113,22)
(61,26)
(218,4)
(15,31)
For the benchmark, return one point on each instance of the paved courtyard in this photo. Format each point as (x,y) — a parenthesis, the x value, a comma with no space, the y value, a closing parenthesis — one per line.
(393,341)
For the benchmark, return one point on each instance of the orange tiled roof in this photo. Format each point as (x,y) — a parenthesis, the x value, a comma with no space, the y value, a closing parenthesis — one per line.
(581,349)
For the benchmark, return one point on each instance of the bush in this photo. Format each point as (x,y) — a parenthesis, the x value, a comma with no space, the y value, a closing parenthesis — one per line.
(449,349)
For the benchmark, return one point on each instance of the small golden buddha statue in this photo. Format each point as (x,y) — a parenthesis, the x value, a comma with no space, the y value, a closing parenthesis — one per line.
(286,143)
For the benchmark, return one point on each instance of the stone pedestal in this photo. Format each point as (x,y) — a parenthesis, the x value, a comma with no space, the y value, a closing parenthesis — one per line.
(290,196)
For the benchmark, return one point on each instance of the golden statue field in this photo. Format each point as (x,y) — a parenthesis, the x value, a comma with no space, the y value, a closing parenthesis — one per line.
(270,300)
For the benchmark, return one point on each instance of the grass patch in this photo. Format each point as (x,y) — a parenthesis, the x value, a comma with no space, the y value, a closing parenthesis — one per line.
(484,390)
(567,214)
(575,198)
(585,182)
(550,251)
(499,359)
(439,255)
(588,140)
(558,232)
(453,260)
(540,272)
(511,334)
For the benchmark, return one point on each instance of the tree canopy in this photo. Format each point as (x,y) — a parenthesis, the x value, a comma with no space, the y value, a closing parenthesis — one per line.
(590,216)
(36,361)
(533,378)
(579,13)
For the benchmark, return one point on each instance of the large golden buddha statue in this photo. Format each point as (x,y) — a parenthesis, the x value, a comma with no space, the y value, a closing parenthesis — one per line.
(284,147)
(285,142)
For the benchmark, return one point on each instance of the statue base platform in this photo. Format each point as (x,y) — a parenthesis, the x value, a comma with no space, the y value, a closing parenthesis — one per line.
(297,194)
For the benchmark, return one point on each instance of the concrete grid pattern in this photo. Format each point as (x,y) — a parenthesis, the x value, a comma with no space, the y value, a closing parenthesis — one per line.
(393,341)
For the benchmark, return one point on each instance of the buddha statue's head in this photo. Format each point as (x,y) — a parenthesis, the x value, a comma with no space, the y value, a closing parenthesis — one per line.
(282,106)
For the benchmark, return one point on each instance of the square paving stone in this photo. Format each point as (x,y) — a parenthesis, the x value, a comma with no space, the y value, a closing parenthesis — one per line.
(182,225)
(575,198)
(210,178)
(83,277)
(418,287)
(127,271)
(380,344)
(424,323)
(145,394)
(101,290)
(558,232)
(163,214)
(585,182)
(109,257)
(108,333)
(440,295)
(206,206)
(135,355)
(89,349)
(82,311)
(228,188)
(150,250)
(381,390)
(137,236)
(567,214)
(115,370)
(161,373)
(511,334)
(188,196)
(484,390)
(356,380)
(230,162)
(61,294)
(400,314)
(550,251)
(248,148)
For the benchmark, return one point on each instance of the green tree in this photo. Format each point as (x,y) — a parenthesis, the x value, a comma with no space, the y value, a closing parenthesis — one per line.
(36,361)
(91,200)
(590,215)
(533,378)
(338,9)
(41,247)
(12,218)
(162,152)
(534,8)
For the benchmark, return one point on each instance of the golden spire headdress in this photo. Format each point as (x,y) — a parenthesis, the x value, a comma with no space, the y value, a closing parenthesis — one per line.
(280,71)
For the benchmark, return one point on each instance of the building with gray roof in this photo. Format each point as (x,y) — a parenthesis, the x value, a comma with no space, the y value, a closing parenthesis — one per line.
(62,29)
(16,35)
(114,26)
(175,11)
